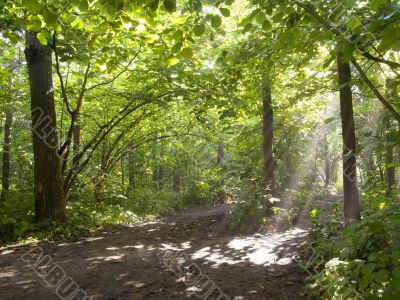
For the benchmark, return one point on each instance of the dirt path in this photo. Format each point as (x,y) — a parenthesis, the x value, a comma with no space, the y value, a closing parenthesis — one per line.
(140,263)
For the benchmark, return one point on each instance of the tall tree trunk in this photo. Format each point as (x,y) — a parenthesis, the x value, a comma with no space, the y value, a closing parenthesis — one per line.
(390,168)
(5,180)
(220,162)
(177,181)
(220,153)
(102,174)
(327,158)
(268,135)
(351,199)
(122,174)
(131,172)
(49,198)
(77,139)
(288,160)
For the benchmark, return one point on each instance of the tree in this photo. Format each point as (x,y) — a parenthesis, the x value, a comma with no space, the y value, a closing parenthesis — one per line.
(49,197)
(350,189)
(268,135)
(5,180)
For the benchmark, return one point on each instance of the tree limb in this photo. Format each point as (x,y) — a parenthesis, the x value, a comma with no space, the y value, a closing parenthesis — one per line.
(376,91)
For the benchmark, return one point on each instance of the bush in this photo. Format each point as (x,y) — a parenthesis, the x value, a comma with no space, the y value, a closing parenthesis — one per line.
(16,214)
(252,209)
(366,259)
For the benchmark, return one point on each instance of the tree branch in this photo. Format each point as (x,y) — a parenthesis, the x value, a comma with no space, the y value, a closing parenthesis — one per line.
(376,91)
(119,74)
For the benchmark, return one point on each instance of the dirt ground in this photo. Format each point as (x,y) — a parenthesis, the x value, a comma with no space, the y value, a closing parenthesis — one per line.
(186,256)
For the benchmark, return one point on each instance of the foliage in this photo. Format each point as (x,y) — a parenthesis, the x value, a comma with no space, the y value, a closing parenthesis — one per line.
(150,94)
(82,218)
(252,207)
(366,259)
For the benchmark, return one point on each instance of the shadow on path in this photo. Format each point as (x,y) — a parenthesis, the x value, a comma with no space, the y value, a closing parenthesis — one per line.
(125,263)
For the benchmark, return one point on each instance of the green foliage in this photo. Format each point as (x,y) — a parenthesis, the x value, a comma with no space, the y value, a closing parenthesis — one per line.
(249,215)
(253,208)
(283,219)
(147,202)
(18,223)
(366,259)
(16,214)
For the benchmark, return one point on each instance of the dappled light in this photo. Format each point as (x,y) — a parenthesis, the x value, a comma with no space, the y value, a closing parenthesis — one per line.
(231,261)
(197,149)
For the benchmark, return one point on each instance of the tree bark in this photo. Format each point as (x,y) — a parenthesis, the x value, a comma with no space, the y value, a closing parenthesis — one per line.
(220,163)
(49,199)
(268,135)
(327,158)
(177,182)
(351,198)
(131,172)
(77,141)
(5,180)
(220,154)
(389,157)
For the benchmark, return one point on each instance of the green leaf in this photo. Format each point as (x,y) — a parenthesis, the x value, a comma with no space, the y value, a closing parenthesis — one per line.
(376,4)
(78,24)
(313,213)
(395,46)
(247,28)
(382,276)
(173,61)
(42,38)
(348,50)
(366,280)
(34,23)
(170,5)
(177,47)
(225,12)
(267,25)
(260,18)
(278,17)
(367,269)
(375,227)
(353,23)
(32,6)
(11,220)
(199,29)
(229,2)
(393,137)
(83,5)
(187,52)
(151,38)
(154,4)
(216,21)
(178,35)
(329,120)
(396,272)
(50,19)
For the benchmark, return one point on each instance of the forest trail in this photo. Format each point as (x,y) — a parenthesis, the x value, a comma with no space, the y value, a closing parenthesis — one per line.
(130,262)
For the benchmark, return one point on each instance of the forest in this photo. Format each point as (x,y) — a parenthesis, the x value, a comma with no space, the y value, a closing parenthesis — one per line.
(199,149)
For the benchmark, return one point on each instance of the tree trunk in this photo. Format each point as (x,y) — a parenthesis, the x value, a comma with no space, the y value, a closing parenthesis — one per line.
(131,173)
(177,182)
(77,140)
(327,159)
(351,199)
(221,154)
(220,162)
(49,198)
(390,168)
(5,180)
(268,134)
